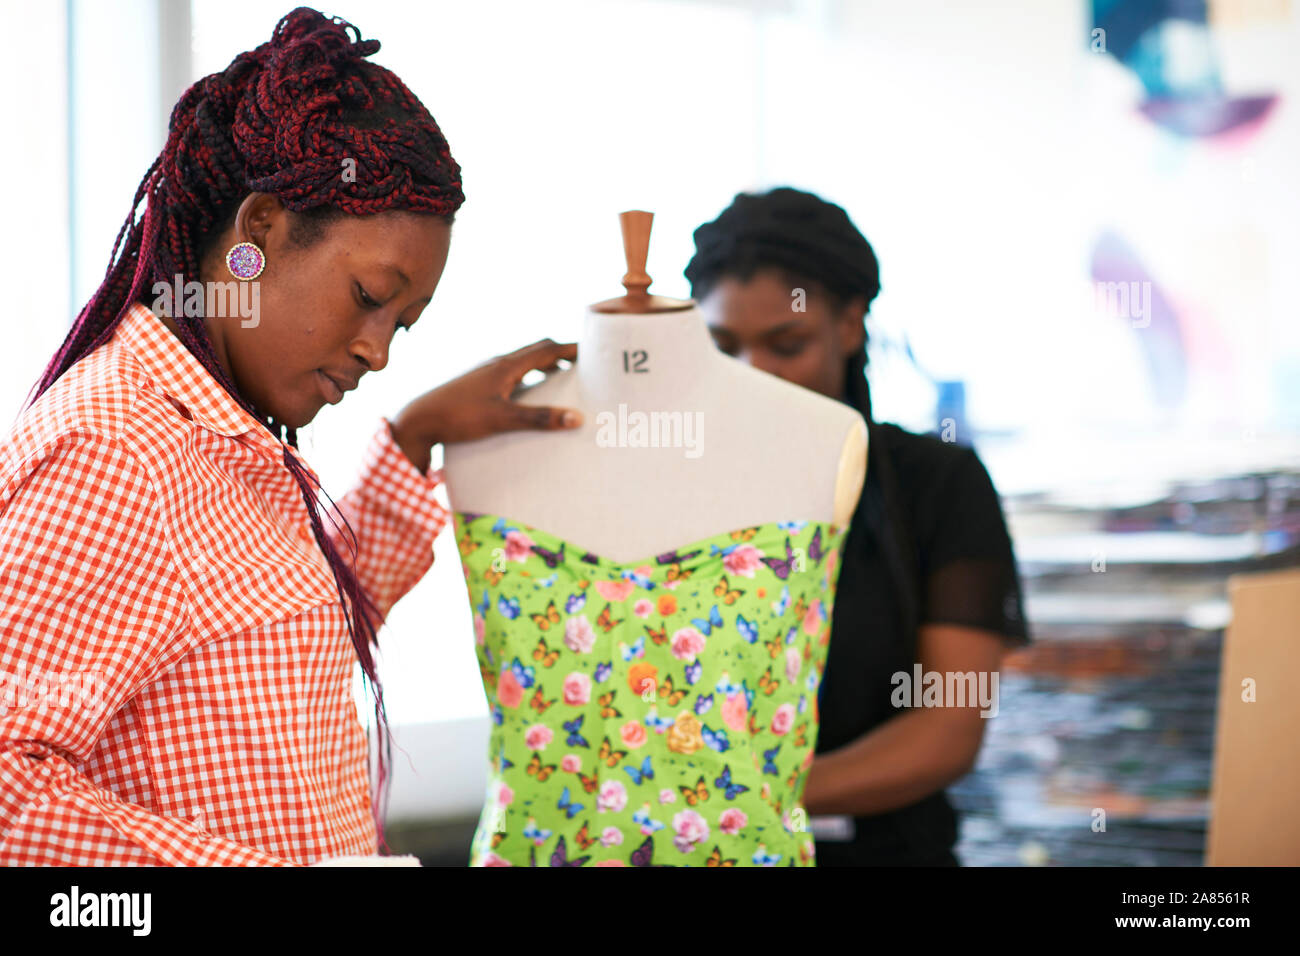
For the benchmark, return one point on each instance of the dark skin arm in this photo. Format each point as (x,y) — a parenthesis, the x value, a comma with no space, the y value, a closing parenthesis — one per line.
(917,753)
(477,404)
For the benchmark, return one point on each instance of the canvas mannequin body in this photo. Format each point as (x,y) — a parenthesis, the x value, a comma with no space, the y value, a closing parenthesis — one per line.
(766,450)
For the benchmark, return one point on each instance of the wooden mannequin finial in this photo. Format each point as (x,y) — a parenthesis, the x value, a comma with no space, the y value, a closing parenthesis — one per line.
(636,247)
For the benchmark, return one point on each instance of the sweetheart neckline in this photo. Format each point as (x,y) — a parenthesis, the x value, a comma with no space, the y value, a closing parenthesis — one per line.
(646,560)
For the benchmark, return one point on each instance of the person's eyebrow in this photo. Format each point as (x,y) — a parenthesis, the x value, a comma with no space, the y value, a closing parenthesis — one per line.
(774,330)
(793,324)
(394,268)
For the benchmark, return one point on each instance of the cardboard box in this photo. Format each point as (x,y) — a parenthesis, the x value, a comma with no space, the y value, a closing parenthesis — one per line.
(1255,795)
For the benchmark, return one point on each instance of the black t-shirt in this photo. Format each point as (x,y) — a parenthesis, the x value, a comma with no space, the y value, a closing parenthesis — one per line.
(964,573)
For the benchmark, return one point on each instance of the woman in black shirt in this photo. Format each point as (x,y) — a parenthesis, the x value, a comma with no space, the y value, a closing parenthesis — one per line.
(928,574)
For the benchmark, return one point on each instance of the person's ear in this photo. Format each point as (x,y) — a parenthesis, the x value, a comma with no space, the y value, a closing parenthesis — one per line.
(261,219)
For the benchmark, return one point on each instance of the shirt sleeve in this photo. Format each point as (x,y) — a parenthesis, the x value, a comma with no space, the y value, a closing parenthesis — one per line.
(968,566)
(394,519)
(92,609)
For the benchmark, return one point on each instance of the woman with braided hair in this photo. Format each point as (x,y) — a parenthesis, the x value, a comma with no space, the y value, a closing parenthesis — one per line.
(179,618)
(928,575)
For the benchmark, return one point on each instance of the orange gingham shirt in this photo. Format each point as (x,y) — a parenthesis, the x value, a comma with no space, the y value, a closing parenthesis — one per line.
(176,676)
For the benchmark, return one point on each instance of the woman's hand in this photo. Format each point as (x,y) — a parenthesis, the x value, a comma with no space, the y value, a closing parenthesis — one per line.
(477,404)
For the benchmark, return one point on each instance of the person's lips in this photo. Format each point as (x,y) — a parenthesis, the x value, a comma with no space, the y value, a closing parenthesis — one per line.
(333,385)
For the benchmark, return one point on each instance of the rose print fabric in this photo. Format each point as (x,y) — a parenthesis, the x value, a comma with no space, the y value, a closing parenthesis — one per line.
(657,713)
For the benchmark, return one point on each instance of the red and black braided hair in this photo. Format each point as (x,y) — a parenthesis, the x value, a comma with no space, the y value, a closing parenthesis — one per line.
(280,119)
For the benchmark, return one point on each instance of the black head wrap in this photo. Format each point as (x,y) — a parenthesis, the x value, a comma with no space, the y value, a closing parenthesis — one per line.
(787,229)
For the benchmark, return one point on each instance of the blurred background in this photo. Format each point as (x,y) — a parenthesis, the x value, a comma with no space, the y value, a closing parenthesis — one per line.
(1087,216)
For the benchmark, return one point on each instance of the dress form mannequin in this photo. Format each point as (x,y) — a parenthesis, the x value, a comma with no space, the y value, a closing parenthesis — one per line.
(748,447)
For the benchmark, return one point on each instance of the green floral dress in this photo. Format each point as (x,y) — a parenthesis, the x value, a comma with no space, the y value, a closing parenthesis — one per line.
(654,713)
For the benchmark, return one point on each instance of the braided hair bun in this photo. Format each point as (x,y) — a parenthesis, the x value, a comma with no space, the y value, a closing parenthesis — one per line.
(316,102)
(292,116)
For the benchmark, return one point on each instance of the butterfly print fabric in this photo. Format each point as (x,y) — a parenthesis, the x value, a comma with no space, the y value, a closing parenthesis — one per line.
(655,713)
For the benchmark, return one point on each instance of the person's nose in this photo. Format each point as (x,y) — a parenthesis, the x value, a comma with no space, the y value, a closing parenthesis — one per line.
(371,347)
